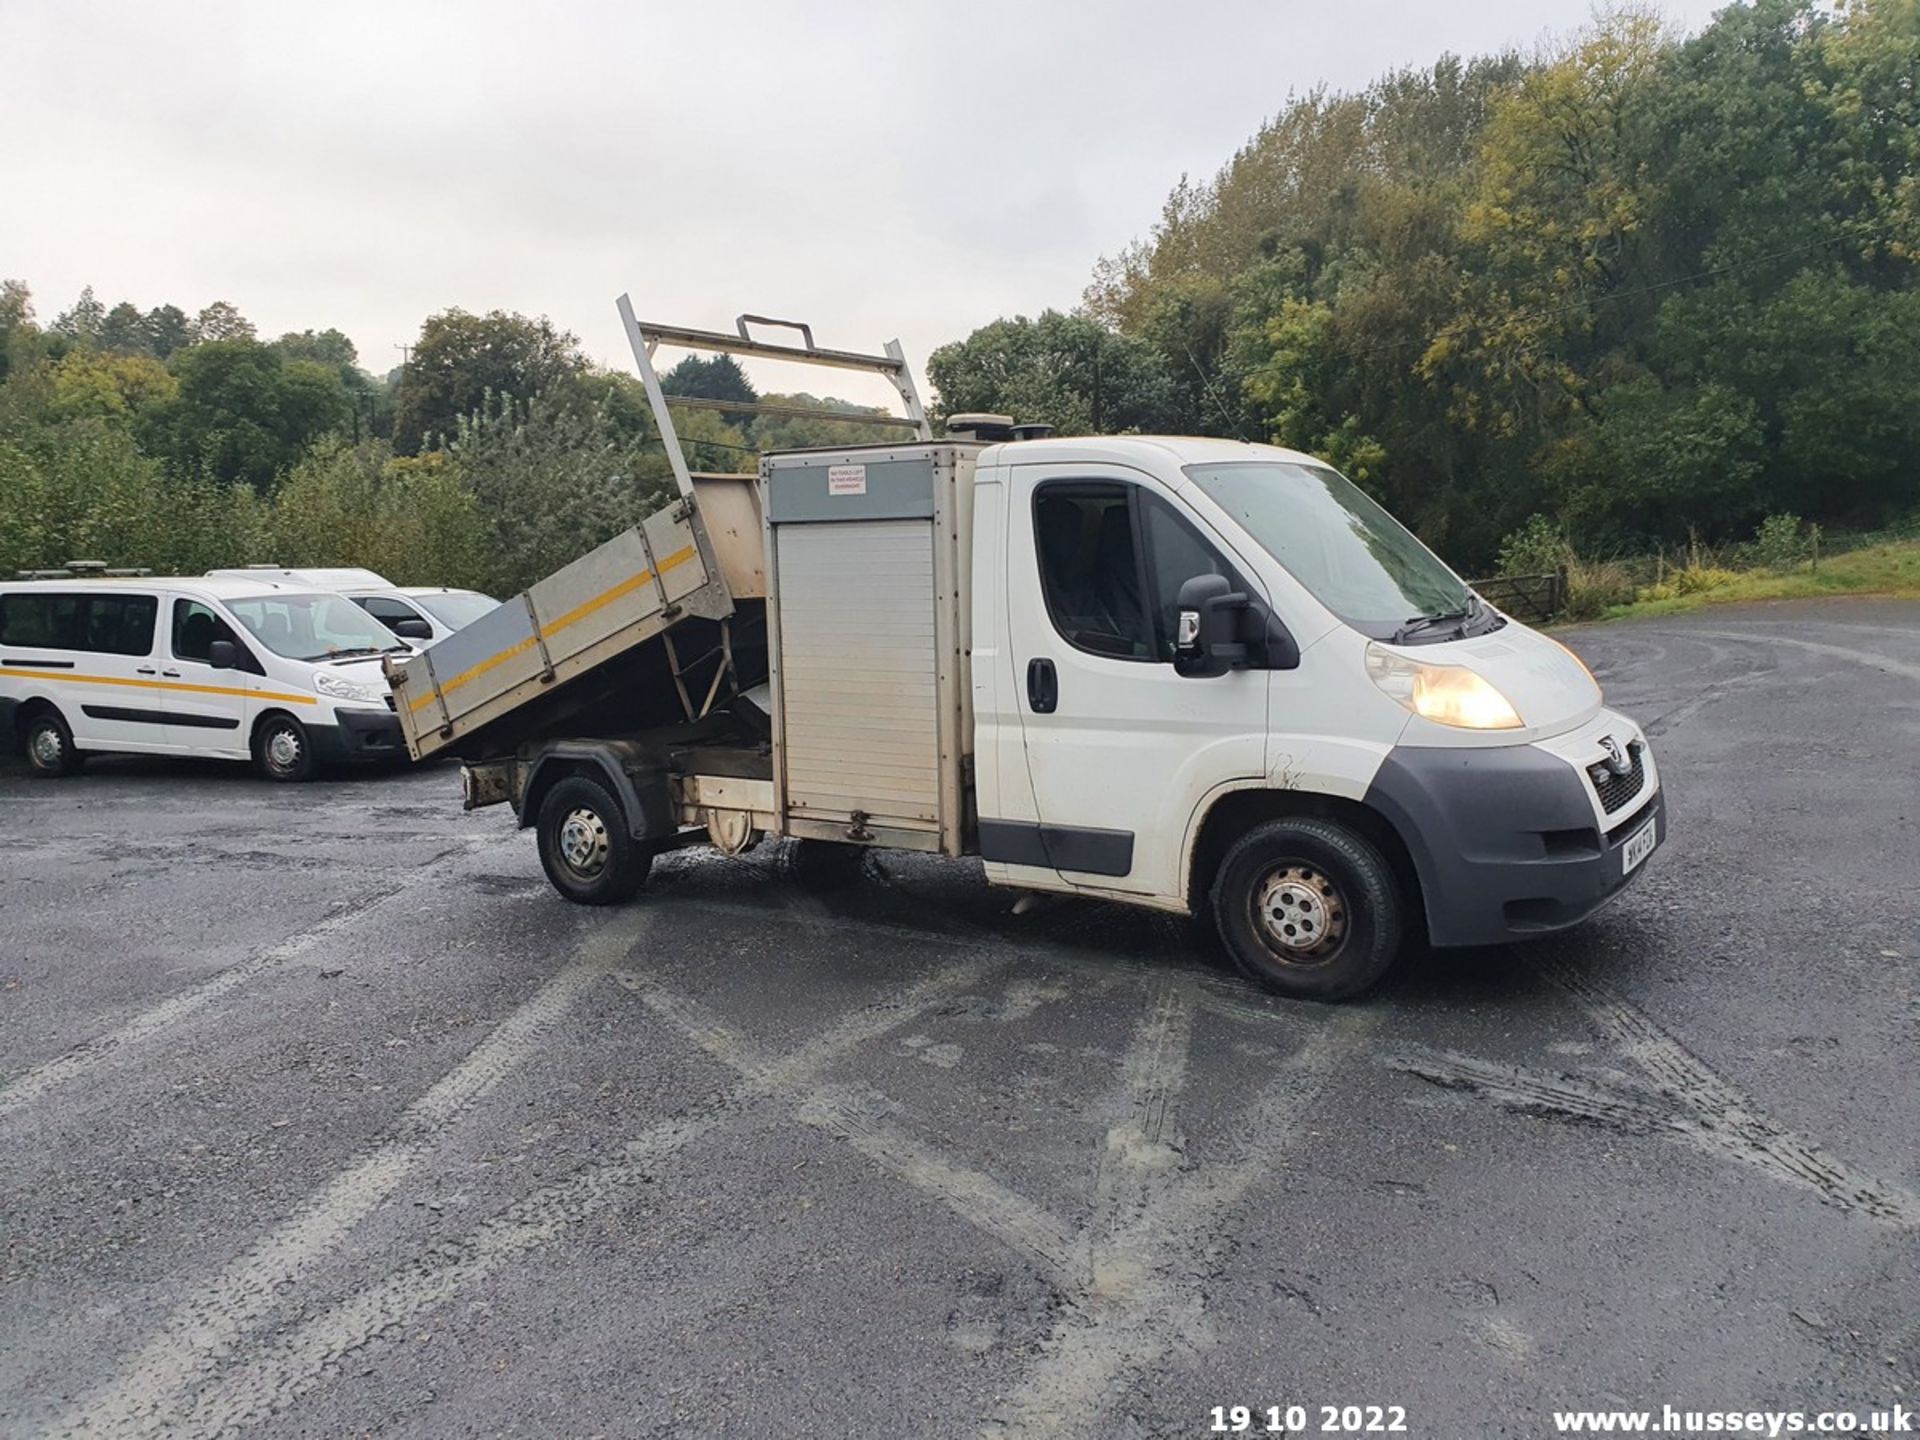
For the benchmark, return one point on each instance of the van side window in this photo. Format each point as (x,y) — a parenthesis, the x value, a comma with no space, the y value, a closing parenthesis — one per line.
(1090,568)
(1175,554)
(121,624)
(42,621)
(389,612)
(195,628)
(102,624)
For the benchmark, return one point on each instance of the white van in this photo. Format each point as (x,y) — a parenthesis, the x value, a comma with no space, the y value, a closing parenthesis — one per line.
(420,613)
(234,669)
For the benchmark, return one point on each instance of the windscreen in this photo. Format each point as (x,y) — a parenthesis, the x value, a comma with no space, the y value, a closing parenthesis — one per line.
(1333,538)
(456,607)
(312,627)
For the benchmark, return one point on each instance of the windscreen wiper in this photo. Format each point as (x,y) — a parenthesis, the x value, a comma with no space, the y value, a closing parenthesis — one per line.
(1420,624)
(349,654)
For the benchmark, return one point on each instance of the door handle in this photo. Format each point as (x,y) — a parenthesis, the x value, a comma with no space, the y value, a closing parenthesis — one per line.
(1043,686)
(171,674)
(146,670)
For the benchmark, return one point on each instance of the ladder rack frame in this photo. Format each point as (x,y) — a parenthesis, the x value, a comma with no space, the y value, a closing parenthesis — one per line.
(647,336)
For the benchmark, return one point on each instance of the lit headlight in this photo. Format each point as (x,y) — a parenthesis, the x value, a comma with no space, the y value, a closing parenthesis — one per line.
(1444,694)
(341,688)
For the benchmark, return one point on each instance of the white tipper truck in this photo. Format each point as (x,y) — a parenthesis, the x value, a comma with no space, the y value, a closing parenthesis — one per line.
(1192,674)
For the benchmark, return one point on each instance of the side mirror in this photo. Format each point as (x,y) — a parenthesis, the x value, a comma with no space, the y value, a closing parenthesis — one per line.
(1209,609)
(412,629)
(222,655)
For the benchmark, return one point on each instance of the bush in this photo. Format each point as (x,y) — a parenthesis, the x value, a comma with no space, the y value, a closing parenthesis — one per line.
(1536,548)
(1780,543)
(1593,586)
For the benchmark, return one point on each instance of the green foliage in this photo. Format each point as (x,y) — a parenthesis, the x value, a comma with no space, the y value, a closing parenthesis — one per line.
(1062,370)
(709,377)
(460,360)
(411,519)
(784,432)
(551,482)
(1536,548)
(1780,543)
(82,490)
(242,413)
(1639,285)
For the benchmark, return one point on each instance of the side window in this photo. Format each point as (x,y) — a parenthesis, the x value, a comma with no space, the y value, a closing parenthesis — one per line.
(195,628)
(43,621)
(1090,568)
(121,624)
(1175,554)
(101,624)
(387,611)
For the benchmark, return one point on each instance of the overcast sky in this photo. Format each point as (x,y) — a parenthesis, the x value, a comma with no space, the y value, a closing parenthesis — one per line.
(909,170)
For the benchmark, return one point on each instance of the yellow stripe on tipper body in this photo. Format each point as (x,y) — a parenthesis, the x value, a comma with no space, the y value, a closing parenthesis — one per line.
(72,678)
(554,627)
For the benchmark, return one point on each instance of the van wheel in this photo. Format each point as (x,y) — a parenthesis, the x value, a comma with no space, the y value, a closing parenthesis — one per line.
(281,750)
(584,845)
(1308,908)
(50,745)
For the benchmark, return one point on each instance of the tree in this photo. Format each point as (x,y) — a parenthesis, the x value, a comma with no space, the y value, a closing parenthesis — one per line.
(221,321)
(84,320)
(1062,370)
(17,330)
(244,414)
(124,329)
(715,377)
(551,481)
(461,359)
(167,330)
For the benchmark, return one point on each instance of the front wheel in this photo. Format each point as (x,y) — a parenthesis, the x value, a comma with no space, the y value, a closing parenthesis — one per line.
(585,847)
(1309,908)
(50,745)
(282,751)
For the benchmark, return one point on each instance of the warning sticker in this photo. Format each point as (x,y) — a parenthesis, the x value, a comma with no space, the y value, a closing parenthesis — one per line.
(846,480)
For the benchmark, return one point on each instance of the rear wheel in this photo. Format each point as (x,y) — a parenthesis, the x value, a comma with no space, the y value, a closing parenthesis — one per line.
(1309,908)
(282,750)
(585,847)
(50,745)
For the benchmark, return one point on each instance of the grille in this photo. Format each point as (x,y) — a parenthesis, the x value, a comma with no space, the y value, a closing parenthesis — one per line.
(1616,790)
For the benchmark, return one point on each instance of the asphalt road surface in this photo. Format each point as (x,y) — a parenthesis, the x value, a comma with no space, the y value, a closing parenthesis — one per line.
(321,1115)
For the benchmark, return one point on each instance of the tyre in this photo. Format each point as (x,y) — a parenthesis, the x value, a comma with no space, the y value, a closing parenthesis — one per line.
(282,750)
(826,864)
(584,845)
(49,745)
(1308,908)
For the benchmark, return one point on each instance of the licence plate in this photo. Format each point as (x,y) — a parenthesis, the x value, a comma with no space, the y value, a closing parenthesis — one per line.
(1639,845)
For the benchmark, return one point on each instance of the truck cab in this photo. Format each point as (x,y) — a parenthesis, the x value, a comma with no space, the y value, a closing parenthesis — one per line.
(1196,675)
(1342,736)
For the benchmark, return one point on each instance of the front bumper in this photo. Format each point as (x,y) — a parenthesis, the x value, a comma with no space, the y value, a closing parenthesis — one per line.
(1512,841)
(359,735)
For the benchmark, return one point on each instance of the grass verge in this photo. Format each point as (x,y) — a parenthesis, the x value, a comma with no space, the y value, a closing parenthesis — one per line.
(1891,569)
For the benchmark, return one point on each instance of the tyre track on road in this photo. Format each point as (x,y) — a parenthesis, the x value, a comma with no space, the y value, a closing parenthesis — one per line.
(1713,1113)
(144,1391)
(306,1357)
(89,1055)
(1149,1294)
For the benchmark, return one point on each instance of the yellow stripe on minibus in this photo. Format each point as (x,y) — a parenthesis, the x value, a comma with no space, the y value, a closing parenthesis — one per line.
(555,626)
(155,685)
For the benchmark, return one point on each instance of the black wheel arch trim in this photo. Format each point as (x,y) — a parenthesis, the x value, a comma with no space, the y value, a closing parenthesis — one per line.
(635,774)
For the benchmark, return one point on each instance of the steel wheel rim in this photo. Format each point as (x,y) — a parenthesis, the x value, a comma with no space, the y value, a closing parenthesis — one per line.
(583,842)
(47,746)
(283,748)
(1300,914)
